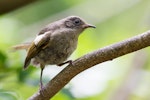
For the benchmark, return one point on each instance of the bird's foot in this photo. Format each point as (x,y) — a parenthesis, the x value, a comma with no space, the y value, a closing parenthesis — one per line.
(69,61)
(41,90)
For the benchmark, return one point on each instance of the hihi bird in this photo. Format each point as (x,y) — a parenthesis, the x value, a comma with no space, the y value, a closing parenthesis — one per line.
(54,43)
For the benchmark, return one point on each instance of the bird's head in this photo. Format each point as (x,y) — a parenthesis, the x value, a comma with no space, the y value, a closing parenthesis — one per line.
(76,23)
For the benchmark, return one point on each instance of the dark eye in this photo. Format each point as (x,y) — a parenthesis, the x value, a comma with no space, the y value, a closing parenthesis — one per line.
(77,22)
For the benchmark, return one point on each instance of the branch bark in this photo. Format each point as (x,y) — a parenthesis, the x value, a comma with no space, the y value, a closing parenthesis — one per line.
(89,60)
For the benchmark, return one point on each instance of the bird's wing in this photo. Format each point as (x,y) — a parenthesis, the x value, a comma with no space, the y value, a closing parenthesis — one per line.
(40,42)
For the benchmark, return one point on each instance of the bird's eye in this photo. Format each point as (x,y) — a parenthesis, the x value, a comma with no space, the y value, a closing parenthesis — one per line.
(77,22)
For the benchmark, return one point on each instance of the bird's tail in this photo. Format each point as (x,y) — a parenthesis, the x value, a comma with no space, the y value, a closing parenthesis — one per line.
(21,47)
(24,46)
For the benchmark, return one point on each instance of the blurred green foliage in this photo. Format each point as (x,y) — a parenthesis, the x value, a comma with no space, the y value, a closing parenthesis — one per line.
(115,21)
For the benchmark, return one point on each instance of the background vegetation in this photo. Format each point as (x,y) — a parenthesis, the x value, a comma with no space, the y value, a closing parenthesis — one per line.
(125,78)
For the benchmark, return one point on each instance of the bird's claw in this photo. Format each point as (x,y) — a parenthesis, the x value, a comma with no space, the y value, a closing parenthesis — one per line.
(69,61)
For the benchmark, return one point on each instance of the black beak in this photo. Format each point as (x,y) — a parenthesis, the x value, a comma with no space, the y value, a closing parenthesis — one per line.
(89,26)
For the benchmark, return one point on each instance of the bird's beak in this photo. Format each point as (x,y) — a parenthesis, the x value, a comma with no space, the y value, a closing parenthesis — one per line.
(89,26)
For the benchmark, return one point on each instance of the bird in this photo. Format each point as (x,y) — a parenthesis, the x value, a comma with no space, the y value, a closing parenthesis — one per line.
(54,43)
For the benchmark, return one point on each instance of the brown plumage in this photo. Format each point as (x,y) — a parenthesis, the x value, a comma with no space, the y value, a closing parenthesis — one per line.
(34,49)
(55,42)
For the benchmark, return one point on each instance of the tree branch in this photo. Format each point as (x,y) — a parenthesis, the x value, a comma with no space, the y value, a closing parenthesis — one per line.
(10,5)
(89,60)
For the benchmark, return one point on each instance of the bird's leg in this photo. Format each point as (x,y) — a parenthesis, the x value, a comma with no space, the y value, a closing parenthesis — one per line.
(69,61)
(41,83)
